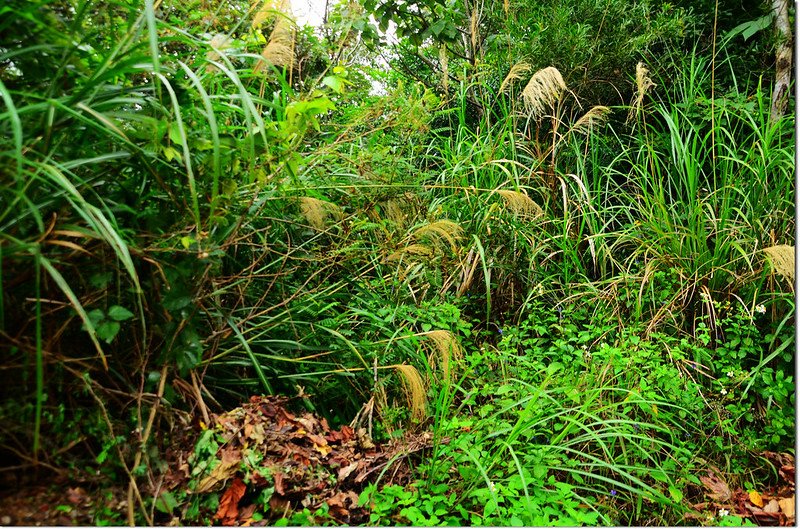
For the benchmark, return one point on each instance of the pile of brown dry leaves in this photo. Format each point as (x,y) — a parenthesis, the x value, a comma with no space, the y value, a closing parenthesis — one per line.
(773,507)
(299,458)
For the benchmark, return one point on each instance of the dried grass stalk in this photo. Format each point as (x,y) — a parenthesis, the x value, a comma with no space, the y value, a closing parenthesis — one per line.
(265,9)
(543,90)
(643,84)
(596,115)
(445,74)
(520,203)
(279,50)
(515,74)
(414,390)
(439,232)
(317,211)
(781,257)
(446,347)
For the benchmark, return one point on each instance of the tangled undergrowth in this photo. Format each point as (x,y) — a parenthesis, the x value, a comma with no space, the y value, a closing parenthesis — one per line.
(243,286)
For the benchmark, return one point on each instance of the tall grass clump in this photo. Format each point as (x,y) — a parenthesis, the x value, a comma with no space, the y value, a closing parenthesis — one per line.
(134,157)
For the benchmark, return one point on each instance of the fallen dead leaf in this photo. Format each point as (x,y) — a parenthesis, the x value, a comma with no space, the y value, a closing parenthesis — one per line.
(719,489)
(767,518)
(246,515)
(222,472)
(364,440)
(317,439)
(772,507)
(305,463)
(755,499)
(278,504)
(347,433)
(278,477)
(323,449)
(787,506)
(346,471)
(76,495)
(255,432)
(787,473)
(308,423)
(228,510)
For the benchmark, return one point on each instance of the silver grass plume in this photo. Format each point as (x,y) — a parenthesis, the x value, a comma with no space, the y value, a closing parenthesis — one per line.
(543,90)
(643,84)
(516,73)
(781,257)
(594,116)
(279,50)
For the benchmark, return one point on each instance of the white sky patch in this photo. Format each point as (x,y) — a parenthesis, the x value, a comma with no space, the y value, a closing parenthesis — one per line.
(310,12)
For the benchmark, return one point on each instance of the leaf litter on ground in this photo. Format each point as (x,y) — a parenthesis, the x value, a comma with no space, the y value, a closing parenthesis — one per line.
(262,452)
(774,506)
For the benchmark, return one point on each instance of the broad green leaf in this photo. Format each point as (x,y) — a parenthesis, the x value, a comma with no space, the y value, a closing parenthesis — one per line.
(335,83)
(107,330)
(118,313)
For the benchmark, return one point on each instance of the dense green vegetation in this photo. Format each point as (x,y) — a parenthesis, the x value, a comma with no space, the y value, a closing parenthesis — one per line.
(557,236)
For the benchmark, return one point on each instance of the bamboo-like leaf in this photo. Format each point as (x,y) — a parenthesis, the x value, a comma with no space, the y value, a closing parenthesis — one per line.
(76,304)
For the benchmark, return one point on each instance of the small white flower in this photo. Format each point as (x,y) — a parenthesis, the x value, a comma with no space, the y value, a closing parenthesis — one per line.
(724,391)
(761,309)
(729,374)
(724,512)
(492,486)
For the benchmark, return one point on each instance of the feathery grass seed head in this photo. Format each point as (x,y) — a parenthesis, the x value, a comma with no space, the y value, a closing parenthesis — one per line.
(543,90)
(265,9)
(220,42)
(317,211)
(643,84)
(595,115)
(414,390)
(446,346)
(279,50)
(439,232)
(781,257)
(411,251)
(520,203)
(514,74)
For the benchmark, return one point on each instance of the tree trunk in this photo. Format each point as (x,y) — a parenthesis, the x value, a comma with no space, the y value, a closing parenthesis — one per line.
(783,59)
